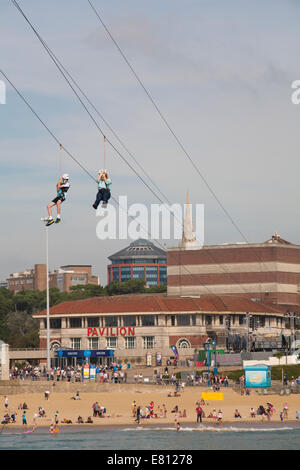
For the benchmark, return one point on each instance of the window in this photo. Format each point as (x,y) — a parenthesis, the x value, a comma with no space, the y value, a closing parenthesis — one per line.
(138,272)
(75,322)
(183,344)
(76,343)
(93,322)
(148,320)
(193,320)
(129,320)
(208,320)
(111,321)
(115,274)
(112,342)
(221,319)
(55,323)
(93,343)
(149,342)
(183,320)
(125,274)
(130,342)
(172,320)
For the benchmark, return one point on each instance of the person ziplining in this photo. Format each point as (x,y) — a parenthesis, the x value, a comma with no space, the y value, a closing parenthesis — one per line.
(62,187)
(104,184)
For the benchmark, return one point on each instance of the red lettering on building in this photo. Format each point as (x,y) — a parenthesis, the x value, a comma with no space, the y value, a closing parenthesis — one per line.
(111,331)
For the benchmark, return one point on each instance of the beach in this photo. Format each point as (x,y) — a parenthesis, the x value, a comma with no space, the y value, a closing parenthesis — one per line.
(119,403)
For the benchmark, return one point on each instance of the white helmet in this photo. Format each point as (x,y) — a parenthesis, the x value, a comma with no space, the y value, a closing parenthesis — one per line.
(65,176)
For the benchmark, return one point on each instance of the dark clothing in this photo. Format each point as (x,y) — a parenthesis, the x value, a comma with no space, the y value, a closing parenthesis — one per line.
(102,195)
(138,415)
(58,198)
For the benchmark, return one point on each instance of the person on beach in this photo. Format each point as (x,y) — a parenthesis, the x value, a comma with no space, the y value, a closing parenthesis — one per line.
(237,414)
(6,402)
(252,412)
(24,420)
(285,411)
(199,412)
(177,425)
(47,393)
(138,415)
(220,417)
(133,409)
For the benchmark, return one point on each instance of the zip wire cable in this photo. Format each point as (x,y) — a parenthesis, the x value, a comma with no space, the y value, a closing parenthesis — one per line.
(64,72)
(52,56)
(166,122)
(84,169)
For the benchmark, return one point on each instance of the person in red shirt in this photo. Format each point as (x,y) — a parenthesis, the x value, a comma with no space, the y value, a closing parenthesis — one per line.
(199,412)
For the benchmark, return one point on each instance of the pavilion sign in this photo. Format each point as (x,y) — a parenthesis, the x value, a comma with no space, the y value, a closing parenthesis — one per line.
(112,331)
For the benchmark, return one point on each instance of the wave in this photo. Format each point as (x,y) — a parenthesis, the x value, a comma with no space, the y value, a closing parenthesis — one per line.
(209,429)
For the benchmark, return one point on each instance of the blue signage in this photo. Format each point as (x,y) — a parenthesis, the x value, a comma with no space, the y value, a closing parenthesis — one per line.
(85,353)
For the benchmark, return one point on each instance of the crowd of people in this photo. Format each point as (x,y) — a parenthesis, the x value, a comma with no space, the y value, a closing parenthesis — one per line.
(113,374)
(149,411)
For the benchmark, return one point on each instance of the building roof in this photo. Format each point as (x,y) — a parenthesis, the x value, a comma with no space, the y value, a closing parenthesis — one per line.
(277,240)
(139,249)
(147,303)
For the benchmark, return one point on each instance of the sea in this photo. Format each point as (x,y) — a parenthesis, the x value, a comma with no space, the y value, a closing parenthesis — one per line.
(277,436)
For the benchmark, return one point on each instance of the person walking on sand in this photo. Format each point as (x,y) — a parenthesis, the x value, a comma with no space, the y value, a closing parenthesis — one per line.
(6,402)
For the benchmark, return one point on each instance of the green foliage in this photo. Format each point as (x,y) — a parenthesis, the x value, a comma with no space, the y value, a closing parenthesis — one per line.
(132,286)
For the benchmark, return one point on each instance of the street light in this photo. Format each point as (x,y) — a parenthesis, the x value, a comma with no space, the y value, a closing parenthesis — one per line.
(47,296)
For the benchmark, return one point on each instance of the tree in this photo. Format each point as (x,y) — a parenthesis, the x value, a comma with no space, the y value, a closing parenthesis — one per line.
(23,330)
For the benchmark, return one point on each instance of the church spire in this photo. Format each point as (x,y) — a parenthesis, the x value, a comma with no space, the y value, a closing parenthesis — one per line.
(188,236)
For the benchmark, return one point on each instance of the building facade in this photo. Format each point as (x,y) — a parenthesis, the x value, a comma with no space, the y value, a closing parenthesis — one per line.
(134,325)
(140,260)
(267,272)
(63,278)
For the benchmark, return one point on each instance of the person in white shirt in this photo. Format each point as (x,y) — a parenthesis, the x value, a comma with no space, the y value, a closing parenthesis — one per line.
(62,187)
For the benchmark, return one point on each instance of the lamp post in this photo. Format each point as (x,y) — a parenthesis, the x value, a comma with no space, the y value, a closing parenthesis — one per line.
(47,297)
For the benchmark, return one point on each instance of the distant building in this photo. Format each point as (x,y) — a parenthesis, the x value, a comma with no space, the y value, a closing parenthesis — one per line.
(140,260)
(266,272)
(63,278)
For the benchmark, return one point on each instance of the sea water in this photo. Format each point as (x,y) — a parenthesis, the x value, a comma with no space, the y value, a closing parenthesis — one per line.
(151,438)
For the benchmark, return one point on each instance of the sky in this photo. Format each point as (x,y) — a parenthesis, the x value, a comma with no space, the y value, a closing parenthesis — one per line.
(220,73)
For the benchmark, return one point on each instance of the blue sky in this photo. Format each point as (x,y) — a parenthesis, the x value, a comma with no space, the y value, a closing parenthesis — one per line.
(221,73)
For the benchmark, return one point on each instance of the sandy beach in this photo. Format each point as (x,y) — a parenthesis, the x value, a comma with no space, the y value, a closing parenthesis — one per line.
(119,407)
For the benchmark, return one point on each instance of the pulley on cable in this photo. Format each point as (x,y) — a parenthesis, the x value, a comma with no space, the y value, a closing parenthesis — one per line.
(104,184)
